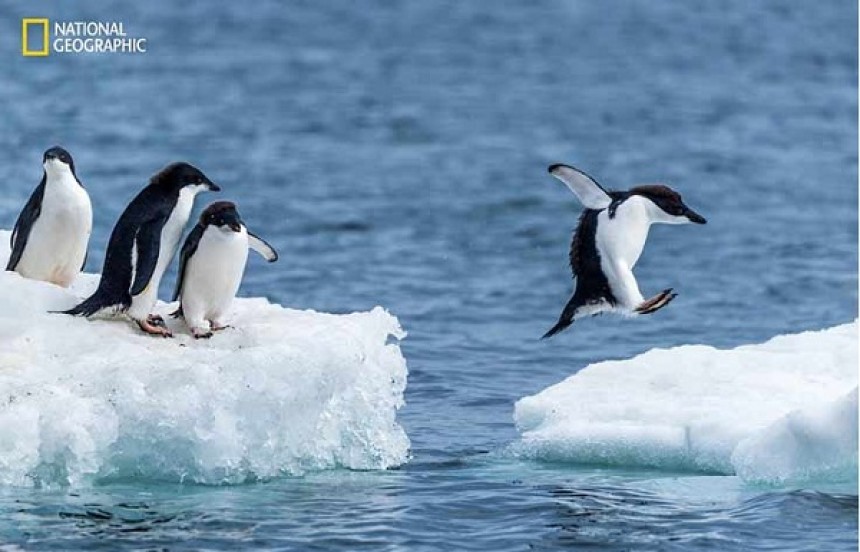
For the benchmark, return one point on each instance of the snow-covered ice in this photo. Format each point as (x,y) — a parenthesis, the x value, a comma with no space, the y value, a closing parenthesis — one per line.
(782,411)
(817,443)
(282,392)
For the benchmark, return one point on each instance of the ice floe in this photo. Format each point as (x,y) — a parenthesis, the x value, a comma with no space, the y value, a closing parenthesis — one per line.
(282,392)
(781,411)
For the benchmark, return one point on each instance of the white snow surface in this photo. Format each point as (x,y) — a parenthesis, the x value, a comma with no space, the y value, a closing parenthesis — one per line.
(280,393)
(779,412)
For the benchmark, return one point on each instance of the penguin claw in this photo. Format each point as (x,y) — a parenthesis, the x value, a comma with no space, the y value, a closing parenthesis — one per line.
(657,302)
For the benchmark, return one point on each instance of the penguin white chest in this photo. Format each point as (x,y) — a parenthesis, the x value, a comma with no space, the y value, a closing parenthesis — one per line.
(172,232)
(57,243)
(213,274)
(621,239)
(141,305)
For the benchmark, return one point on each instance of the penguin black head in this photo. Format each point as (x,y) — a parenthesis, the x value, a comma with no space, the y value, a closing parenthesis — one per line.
(57,159)
(222,214)
(179,175)
(671,208)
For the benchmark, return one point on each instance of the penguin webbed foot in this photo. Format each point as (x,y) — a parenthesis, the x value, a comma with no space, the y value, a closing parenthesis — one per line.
(656,303)
(154,325)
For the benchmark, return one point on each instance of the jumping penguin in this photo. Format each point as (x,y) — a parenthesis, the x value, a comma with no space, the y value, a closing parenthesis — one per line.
(142,244)
(609,240)
(49,241)
(211,266)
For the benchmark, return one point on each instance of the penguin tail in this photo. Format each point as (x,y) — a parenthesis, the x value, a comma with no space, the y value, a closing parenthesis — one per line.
(96,302)
(562,324)
(177,313)
(568,315)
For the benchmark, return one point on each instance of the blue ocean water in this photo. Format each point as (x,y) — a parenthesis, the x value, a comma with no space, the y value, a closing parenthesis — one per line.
(395,154)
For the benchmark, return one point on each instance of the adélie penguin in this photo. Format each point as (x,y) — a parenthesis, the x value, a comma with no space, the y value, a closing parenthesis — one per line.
(609,240)
(142,244)
(50,238)
(211,266)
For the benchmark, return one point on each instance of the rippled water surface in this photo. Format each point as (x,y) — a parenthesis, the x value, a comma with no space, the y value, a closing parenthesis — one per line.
(395,154)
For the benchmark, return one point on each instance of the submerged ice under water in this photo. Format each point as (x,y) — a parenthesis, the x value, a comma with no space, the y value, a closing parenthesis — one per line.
(395,155)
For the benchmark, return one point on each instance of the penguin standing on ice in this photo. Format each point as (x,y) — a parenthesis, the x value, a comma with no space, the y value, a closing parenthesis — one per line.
(142,244)
(49,241)
(211,265)
(609,240)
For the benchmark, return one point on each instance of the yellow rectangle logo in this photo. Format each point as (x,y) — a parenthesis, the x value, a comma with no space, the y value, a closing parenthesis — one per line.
(26,24)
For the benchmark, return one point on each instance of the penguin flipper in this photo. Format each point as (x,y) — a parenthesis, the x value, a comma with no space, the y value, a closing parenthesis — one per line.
(188,249)
(591,194)
(148,242)
(259,245)
(29,214)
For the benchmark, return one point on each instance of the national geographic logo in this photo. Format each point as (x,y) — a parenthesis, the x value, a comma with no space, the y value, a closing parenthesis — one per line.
(77,37)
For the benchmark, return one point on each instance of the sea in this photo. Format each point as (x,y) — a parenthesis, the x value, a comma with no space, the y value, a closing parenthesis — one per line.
(395,154)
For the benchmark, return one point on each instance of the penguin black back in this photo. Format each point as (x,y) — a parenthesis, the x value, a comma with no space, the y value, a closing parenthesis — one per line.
(21,232)
(591,283)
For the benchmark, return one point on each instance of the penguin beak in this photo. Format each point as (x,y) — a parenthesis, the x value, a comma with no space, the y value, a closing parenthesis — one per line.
(212,186)
(233,221)
(695,217)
